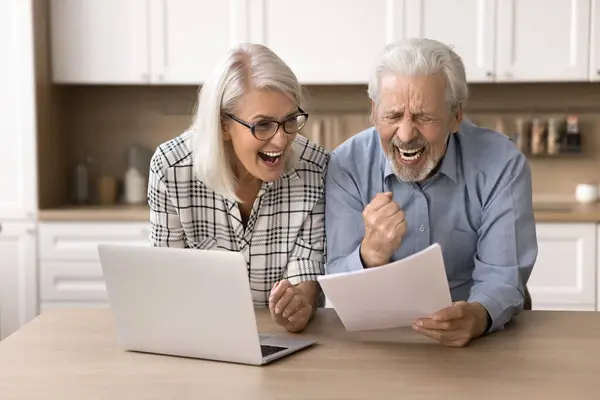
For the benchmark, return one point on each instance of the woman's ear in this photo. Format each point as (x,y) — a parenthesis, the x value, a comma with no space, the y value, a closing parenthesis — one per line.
(225,131)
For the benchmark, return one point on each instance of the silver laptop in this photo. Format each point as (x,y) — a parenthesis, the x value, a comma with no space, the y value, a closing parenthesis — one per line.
(187,302)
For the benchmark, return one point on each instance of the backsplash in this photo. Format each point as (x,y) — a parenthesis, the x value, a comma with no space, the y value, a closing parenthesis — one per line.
(104,121)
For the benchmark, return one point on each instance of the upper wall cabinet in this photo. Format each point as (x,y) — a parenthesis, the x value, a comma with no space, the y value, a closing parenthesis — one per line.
(189,37)
(324,42)
(140,41)
(100,41)
(595,42)
(327,41)
(470,32)
(549,46)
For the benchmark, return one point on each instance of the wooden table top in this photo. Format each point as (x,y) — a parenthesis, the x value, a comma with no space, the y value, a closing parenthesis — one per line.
(72,354)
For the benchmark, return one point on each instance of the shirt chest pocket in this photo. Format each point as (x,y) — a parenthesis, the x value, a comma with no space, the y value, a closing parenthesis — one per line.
(459,252)
(202,243)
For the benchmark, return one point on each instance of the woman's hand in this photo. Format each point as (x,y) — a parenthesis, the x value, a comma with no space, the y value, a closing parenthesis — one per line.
(290,306)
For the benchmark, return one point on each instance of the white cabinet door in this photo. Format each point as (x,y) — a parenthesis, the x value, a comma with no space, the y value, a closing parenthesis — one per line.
(100,41)
(564,276)
(79,240)
(595,42)
(327,41)
(70,274)
(18,192)
(467,25)
(189,37)
(18,282)
(543,40)
(65,280)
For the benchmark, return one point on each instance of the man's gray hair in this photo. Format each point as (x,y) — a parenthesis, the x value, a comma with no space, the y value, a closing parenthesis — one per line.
(246,67)
(422,56)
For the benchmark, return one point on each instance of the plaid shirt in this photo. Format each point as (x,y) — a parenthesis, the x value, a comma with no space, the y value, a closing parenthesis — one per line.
(285,234)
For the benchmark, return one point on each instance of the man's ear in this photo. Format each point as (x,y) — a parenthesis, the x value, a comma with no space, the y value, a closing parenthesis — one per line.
(373,110)
(457,116)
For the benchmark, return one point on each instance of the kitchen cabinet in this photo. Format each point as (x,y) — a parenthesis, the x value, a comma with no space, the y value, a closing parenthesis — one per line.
(564,275)
(18,191)
(100,41)
(553,47)
(467,25)
(189,37)
(18,275)
(595,41)
(327,42)
(70,273)
(141,41)
(18,177)
(181,41)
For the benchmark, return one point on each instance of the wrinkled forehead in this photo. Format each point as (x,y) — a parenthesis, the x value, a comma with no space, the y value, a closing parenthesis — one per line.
(413,93)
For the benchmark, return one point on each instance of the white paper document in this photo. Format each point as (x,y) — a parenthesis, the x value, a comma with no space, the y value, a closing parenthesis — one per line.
(390,296)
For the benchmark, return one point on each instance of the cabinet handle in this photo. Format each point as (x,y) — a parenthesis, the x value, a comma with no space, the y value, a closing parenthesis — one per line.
(146,77)
(0,228)
(598,72)
(490,74)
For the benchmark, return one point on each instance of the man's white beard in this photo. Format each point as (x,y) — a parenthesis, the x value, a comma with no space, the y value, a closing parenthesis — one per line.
(409,173)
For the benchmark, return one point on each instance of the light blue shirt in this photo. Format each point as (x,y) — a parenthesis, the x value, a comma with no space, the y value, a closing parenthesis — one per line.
(478,207)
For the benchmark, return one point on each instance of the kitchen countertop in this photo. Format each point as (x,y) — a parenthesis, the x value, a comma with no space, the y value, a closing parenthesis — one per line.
(566,212)
(96,213)
(544,212)
(74,354)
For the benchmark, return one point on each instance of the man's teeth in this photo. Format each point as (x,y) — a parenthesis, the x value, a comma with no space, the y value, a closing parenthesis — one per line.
(410,155)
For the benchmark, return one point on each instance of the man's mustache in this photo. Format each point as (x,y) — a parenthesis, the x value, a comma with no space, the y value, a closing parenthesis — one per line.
(414,144)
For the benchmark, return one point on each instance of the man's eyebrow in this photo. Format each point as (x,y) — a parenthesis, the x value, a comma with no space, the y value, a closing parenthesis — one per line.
(394,111)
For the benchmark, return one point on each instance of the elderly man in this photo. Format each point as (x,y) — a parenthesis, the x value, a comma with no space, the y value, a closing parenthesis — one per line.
(423,175)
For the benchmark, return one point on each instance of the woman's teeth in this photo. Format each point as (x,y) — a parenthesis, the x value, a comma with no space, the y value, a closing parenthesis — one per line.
(270,157)
(411,155)
(273,154)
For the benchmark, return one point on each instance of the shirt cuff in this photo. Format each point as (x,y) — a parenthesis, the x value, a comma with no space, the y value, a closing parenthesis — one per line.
(499,313)
(355,262)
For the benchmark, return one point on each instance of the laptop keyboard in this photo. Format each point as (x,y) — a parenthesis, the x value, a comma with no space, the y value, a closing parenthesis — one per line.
(268,350)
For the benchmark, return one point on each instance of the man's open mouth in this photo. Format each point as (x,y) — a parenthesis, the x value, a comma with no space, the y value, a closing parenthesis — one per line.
(411,155)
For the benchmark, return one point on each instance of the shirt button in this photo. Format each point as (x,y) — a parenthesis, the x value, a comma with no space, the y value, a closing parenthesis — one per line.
(422,228)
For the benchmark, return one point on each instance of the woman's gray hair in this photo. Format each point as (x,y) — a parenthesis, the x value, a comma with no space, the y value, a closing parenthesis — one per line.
(422,56)
(247,67)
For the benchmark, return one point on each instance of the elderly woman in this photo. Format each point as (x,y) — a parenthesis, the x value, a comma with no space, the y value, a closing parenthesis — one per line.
(242,179)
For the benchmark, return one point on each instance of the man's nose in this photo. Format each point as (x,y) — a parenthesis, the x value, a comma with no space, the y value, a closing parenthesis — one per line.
(406,132)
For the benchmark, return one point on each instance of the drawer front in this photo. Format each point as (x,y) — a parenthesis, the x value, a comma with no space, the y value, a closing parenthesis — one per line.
(53,305)
(72,281)
(80,240)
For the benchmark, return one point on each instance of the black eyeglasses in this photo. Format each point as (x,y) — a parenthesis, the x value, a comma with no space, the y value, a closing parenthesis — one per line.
(266,129)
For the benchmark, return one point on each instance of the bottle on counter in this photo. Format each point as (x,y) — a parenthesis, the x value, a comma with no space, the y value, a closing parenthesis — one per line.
(134,180)
(572,137)
(553,137)
(500,126)
(81,180)
(538,141)
(521,136)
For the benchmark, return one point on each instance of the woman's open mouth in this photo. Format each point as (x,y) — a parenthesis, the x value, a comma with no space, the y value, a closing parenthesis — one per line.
(270,158)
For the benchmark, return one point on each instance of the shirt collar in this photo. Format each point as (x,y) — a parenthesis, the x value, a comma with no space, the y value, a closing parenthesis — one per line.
(448,166)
